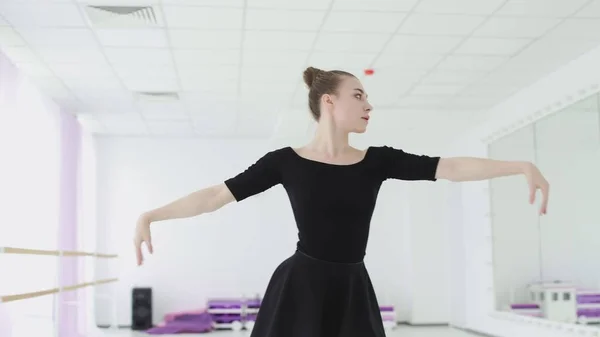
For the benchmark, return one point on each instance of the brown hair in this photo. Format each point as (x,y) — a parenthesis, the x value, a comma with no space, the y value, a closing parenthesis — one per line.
(321,82)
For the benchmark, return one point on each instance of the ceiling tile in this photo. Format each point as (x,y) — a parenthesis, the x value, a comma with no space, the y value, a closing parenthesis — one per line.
(209,40)
(407,60)
(292,122)
(150,38)
(476,7)
(37,69)
(256,123)
(398,75)
(470,102)
(170,128)
(110,119)
(52,86)
(592,10)
(99,84)
(203,17)
(72,55)
(107,104)
(436,89)
(81,70)
(211,124)
(267,74)
(204,3)
(134,70)
(472,62)
(162,116)
(123,124)
(195,57)
(374,5)
(210,73)
(364,22)
(108,2)
(20,55)
(342,61)
(487,91)
(545,57)
(261,40)
(41,14)
(148,56)
(516,27)
(299,99)
(422,101)
(492,46)
(273,19)
(151,84)
(541,8)
(355,42)
(275,58)
(88,94)
(577,29)
(422,44)
(289,4)
(504,77)
(58,37)
(256,89)
(441,24)
(159,111)
(198,103)
(461,77)
(10,38)
(382,94)
(210,81)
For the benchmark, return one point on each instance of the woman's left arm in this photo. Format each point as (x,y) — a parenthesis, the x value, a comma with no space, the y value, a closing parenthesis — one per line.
(459,169)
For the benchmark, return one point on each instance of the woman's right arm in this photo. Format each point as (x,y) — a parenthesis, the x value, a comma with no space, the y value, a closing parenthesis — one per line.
(200,202)
(260,176)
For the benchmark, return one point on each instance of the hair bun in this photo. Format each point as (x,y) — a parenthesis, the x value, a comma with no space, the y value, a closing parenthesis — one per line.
(310,74)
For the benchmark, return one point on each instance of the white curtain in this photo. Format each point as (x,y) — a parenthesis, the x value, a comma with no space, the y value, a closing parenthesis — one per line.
(29,200)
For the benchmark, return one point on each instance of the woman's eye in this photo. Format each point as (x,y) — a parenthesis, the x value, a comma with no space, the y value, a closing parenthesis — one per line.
(358,96)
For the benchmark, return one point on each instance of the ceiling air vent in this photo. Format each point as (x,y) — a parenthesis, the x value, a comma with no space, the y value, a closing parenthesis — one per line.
(122,16)
(158,96)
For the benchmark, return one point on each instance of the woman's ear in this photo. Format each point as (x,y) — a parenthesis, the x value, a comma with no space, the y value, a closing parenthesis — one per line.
(327,100)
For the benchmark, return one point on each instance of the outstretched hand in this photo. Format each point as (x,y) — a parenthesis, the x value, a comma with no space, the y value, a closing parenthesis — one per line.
(536,181)
(142,234)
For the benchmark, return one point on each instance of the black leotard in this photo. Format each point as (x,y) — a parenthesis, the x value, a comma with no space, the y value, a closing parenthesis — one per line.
(332,204)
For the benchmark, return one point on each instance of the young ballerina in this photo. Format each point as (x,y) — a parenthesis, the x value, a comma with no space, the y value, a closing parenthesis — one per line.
(324,289)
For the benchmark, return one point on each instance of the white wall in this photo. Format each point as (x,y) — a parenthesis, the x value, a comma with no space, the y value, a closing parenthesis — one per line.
(429,249)
(234,251)
(574,81)
(515,223)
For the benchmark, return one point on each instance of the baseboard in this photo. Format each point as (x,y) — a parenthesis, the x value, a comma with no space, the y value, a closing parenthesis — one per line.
(423,324)
(102,326)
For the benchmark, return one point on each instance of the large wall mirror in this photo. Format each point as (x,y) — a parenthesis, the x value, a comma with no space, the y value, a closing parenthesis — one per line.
(548,266)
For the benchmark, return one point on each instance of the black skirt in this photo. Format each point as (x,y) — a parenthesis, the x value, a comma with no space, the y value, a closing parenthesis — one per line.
(307,297)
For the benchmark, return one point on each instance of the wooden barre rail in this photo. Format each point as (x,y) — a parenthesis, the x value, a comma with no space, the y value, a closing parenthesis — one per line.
(25,251)
(12,298)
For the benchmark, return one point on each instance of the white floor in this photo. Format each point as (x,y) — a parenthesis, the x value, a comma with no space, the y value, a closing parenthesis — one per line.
(401,331)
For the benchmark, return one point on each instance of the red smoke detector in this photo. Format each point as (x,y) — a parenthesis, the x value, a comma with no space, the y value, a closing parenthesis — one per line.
(369,72)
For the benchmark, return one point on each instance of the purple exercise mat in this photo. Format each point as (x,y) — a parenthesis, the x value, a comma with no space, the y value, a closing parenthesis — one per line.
(192,323)
(525,306)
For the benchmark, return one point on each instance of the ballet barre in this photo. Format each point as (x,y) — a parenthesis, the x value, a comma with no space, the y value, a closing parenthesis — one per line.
(62,289)
(26,251)
(17,297)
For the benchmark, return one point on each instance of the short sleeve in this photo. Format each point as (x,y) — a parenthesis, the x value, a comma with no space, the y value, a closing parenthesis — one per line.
(397,164)
(257,178)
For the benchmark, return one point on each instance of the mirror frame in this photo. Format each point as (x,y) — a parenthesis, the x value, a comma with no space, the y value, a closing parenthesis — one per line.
(489,301)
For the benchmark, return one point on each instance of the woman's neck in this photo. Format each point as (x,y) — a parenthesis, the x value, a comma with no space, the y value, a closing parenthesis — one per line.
(328,140)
